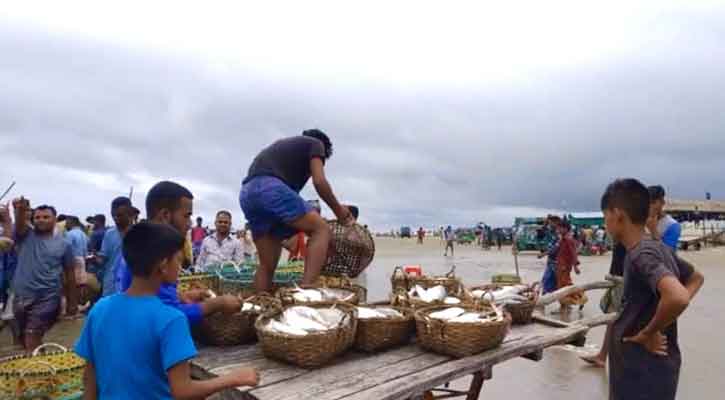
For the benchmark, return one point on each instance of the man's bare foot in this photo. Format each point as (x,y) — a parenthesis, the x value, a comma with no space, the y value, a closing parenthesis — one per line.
(595,360)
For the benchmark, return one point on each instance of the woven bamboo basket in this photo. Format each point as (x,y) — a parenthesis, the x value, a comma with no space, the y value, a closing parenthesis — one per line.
(198,281)
(375,334)
(352,249)
(400,280)
(313,350)
(521,313)
(359,293)
(460,339)
(53,375)
(221,329)
(403,299)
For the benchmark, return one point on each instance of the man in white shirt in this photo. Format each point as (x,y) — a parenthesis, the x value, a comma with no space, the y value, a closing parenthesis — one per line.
(220,246)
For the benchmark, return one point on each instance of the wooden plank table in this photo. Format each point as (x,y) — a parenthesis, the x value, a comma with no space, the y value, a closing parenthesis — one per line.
(402,373)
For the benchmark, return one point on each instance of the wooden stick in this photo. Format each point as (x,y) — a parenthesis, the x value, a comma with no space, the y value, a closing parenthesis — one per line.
(7,190)
(566,291)
(604,319)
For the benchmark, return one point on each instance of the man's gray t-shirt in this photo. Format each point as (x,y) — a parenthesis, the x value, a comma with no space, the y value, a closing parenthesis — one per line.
(41,261)
(289,160)
(634,372)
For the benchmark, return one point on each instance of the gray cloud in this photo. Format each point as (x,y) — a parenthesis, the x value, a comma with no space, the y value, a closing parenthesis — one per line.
(82,121)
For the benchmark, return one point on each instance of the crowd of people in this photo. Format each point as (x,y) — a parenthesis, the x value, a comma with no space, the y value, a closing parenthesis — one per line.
(139,329)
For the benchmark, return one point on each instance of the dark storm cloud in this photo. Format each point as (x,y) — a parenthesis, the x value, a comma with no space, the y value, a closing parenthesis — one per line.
(81,121)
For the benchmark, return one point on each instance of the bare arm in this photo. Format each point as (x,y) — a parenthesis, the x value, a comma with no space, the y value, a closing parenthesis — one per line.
(71,290)
(227,304)
(696,279)
(323,188)
(90,391)
(674,299)
(21,217)
(183,387)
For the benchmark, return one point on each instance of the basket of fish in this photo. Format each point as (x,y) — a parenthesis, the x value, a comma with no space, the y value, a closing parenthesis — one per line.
(463,330)
(403,281)
(419,296)
(55,374)
(308,336)
(518,299)
(352,249)
(381,327)
(222,329)
(341,291)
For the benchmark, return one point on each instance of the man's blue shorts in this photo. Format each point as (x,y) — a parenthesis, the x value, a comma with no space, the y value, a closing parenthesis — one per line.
(270,205)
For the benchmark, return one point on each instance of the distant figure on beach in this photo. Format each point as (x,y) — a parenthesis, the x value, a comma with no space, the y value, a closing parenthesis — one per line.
(450,237)
(566,260)
(271,202)
(198,233)
(548,281)
(421,235)
(661,225)
(499,238)
(644,354)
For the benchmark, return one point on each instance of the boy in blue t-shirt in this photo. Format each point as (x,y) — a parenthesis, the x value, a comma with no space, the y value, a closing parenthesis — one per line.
(137,347)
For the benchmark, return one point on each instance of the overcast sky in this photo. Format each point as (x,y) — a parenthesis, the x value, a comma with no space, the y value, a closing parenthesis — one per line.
(445,114)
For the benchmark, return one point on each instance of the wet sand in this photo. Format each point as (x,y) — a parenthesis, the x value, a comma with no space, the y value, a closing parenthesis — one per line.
(560,375)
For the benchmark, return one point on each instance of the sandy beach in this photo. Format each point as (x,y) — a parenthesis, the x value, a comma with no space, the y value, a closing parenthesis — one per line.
(560,375)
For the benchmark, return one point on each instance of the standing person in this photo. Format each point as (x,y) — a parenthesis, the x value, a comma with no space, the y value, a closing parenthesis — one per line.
(6,245)
(271,202)
(172,204)
(110,254)
(421,234)
(44,260)
(99,230)
(135,346)
(78,241)
(245,238)
(198,233)
(499,238)
(611,302)
(566,260)
(644,355)
(221,246)
(662,226)
(95,243)
(548,281)
(450,237)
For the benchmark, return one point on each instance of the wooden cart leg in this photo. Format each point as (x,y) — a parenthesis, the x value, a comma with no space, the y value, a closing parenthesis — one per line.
(477,383)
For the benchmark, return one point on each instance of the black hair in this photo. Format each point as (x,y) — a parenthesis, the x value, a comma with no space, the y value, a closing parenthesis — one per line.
(630,196)
(321,136)
(71,221)
(120,202)
(45,207)
(354,211)
(165,194)
(61,217)
(224,212)
(147,244)
(656,192)
(99,218)
(198,219)
(566,225)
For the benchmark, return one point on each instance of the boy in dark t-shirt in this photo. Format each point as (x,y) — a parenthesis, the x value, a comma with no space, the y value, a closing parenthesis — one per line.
(644,356)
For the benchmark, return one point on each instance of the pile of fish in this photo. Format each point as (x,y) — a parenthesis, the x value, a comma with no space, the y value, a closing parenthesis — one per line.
(457,314)
(322,294)
(436,293)
(250,307)
(379,312)
(504,294)
(301,320)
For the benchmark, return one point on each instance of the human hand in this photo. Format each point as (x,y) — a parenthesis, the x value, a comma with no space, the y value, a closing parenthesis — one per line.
(21,204)
(194,296)
(244,377)
(344,216)
(230,304)
(655,343)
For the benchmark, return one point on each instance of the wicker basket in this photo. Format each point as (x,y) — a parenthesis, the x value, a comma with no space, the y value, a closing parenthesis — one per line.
(403,299)
(285,294)
(400,280)
(521,313)
(460,339)
(53,375)
(221,329)
(375,334)
(352,249)
(313,350)
(198,281)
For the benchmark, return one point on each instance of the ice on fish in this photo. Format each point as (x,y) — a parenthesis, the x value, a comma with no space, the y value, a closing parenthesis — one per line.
(447,314)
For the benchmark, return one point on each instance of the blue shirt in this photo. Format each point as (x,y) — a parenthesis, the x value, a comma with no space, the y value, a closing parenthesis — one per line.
(78,242)
(111,250)
(670,230)
(132,341)
(167,293)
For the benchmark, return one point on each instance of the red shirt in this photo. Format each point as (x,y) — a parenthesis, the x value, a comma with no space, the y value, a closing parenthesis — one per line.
(197,234)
